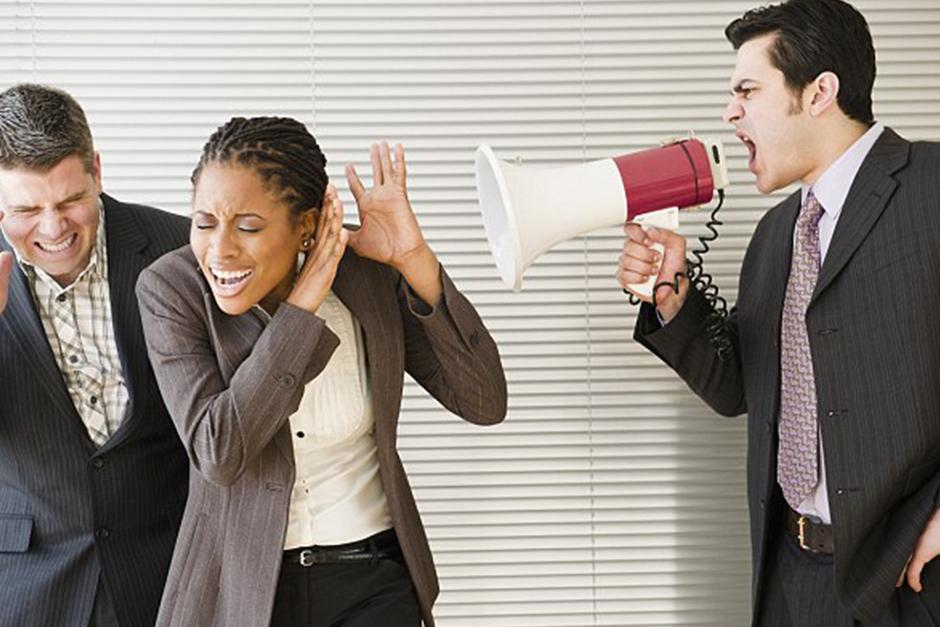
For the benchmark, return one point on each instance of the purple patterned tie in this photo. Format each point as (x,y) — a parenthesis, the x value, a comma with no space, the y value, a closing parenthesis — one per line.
(797,465)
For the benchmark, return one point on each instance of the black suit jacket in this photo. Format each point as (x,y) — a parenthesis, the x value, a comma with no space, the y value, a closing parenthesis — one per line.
(69,511)
(874,332)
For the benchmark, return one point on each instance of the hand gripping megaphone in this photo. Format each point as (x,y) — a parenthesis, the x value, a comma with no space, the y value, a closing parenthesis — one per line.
(527,210)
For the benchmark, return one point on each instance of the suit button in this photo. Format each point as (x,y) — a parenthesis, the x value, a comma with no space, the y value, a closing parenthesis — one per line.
(97,463)
(287,381)
(768,426)
(102,533)
(763,504)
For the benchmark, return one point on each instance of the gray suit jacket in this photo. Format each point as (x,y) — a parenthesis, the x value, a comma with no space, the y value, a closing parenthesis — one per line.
(874,332)
(231,384)
(71,512)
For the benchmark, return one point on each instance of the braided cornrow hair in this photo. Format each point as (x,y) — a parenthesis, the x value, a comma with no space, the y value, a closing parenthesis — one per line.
(281,150)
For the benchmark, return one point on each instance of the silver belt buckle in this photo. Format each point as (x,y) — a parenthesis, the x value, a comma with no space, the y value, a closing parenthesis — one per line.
(307,558)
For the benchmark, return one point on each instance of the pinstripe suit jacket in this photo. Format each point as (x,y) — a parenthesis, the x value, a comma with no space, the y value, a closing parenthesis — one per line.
(874,331)
(231,384)
(69,511)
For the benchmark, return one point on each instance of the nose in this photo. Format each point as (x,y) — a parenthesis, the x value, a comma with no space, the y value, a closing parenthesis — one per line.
(223,244)
(733,111)
(52,224)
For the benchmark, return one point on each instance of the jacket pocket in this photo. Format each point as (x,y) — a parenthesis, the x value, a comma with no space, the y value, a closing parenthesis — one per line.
(15,532)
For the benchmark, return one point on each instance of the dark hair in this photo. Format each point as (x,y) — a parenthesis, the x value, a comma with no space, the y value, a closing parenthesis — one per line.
(281,150)
(40,126)
(812,37)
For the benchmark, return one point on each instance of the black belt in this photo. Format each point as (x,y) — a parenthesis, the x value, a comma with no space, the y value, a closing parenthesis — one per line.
(815,537)
(374,548)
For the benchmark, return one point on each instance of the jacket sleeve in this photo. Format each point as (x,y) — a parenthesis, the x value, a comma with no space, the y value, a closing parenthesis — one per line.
(450,353)
(684,346)
(225,426)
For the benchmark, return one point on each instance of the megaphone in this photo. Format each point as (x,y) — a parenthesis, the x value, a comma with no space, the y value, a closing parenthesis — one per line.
(527,210)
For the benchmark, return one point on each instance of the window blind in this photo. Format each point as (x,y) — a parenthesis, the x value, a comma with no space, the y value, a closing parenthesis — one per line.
(611,495)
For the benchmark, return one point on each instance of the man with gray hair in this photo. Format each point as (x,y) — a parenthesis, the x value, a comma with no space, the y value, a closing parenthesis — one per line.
(92,475)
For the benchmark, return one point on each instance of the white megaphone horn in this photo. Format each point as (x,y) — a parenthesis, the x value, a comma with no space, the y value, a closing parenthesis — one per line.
(527,210)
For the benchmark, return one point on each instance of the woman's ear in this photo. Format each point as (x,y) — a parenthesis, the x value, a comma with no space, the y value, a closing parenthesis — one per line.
(308,226)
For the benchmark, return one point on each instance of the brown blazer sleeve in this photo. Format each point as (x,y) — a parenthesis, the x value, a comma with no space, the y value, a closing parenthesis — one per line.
(450,354)
(225,425)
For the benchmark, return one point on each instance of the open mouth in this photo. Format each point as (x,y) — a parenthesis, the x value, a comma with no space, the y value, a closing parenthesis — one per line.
(229,282)
(58,247)
(751,150)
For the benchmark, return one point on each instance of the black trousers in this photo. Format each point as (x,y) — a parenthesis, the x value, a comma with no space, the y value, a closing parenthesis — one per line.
(801,592)
(362,594)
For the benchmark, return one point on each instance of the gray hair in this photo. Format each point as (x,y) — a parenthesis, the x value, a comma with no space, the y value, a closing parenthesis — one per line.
(40,126)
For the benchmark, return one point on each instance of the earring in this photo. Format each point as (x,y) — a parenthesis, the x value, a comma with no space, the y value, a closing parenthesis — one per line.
(306,243)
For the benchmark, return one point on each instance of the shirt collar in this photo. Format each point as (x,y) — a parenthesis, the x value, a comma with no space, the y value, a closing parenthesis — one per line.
(97,264)
(832,188)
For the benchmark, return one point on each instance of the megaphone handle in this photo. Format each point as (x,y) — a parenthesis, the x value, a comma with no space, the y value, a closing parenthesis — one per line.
(663,219)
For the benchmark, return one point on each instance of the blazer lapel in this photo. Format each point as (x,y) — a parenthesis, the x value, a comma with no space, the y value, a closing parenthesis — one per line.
(126,250)
(867,199)
(23,324)
(367,298)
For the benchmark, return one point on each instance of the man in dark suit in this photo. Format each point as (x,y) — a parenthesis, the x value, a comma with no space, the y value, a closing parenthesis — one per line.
(835,338)
(92,475)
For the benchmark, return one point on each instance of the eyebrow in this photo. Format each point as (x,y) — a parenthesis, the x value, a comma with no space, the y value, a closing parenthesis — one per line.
(74,197)
(201,213)
(739,86)
(71,198)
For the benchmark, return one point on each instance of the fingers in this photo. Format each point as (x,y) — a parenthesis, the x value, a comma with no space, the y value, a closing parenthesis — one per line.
(355,185)
(330,218)
(327,197)
(903,574)
(323,218)
(627,281)
(327,234)
(636,233)
(385,160)
(377,178)
(400,169)
(632,270)
(914,568)
(638,261)
(6,267)
(341,243)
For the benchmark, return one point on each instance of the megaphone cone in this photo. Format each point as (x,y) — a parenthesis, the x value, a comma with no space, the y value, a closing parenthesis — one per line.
(528,210)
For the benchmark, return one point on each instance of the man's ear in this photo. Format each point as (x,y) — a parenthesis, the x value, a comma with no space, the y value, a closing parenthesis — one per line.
(823,93)
(96,172)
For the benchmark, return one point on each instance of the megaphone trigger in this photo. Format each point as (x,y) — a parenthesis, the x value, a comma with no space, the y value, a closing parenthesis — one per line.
(662,219)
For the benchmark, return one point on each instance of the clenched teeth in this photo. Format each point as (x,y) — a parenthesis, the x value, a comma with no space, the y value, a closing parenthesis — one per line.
(57,248)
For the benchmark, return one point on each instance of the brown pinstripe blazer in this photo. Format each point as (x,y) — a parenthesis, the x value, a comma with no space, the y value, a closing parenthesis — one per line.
(231,383)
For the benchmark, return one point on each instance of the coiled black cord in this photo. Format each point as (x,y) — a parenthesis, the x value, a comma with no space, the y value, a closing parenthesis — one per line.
(703,282)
